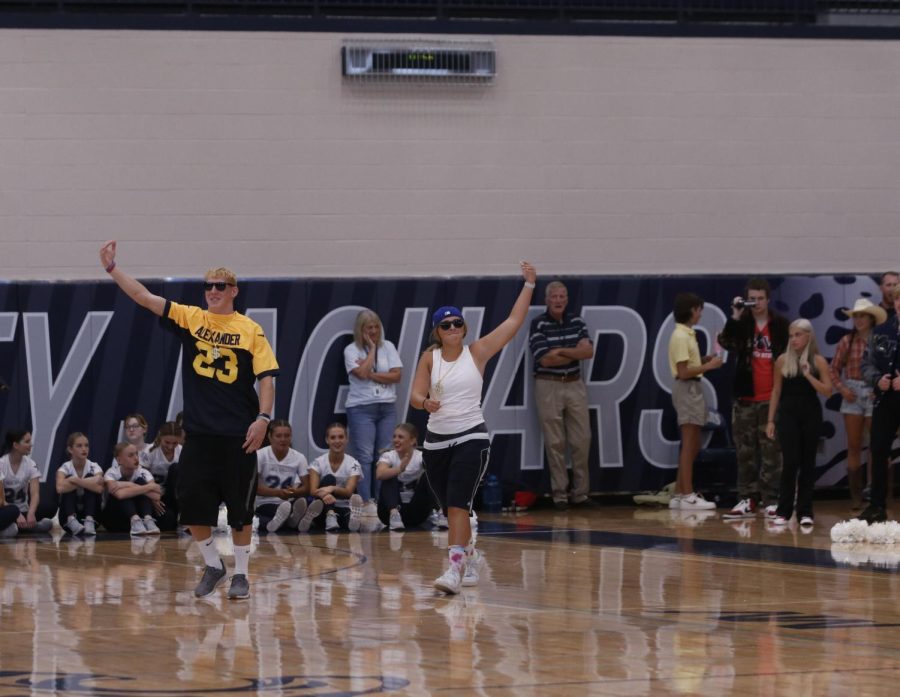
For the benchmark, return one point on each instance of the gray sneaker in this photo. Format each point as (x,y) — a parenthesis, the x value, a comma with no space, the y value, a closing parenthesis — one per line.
(74,527)
(282,513)
(312,512)
(150,526)
(10,530)
(90,527)
(240,587)
(43,525)
(356,510)
(210,580)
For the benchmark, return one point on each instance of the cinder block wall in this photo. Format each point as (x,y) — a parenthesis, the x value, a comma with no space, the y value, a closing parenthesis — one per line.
(587,155)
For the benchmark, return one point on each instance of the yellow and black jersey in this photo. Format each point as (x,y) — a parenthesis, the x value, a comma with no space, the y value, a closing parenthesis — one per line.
(222,357)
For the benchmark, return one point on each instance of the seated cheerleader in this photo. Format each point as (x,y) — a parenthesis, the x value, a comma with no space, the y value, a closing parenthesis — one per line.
(133,495)
(163,465)
(405,499)
(21,480)
(283,483)
(79,483)
(134,431)
(332,480)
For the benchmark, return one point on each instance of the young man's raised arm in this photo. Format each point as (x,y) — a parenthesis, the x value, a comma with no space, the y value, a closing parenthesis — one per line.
(133,288)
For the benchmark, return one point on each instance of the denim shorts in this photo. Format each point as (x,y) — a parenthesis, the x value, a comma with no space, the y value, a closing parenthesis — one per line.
(865,399)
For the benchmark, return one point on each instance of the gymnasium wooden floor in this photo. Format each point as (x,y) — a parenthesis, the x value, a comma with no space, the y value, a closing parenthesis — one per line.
(619,601)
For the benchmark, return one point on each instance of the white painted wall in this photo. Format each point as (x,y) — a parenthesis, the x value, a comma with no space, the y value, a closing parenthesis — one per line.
(592,155)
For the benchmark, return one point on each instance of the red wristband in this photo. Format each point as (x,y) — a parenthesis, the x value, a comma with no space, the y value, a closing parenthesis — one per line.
(111,266)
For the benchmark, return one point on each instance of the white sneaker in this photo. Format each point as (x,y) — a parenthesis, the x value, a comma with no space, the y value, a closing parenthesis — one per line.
(137,527)
(331,522)
(150,526)
(73,526)
(396,522)
(770,511)
(313,511)
(282,513)
(449,581)
(806,520)
(356,511)
(440,522)
(470,575)
(695,501)
(90,528)
(675,501)
(745,508)
(12,530)
(43,525)
(371,508)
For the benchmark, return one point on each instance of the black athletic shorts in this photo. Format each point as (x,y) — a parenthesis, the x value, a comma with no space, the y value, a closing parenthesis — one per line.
(214,470)
(454,472)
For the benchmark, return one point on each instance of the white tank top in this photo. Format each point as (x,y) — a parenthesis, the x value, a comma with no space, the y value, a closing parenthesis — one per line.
(457,385)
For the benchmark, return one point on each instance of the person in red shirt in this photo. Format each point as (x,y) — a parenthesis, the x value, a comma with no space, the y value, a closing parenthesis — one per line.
(755,335)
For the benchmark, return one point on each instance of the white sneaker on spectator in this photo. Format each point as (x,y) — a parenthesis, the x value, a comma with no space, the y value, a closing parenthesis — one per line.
(150,526)
(396,522)
(331,522)
(90,527)
(807,520)
(675,501)
(449,582)
(356,511)
(137,527)
(312,512)
(43,525)
(371,508)
(770,511)
(745,508)
(695,501)
(439,520)
(282,513)
(73,526)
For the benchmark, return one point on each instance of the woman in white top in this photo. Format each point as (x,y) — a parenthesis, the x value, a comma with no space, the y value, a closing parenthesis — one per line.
(21,480)
(79,483)
(448,385)
(333,478)
(405,500)
(133,495)
(373,370)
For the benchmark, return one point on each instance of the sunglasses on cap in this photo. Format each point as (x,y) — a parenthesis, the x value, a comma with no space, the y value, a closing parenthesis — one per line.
(458,323)
(218,285)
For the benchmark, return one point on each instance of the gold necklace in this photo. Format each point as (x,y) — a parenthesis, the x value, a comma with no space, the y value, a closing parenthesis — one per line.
(438,387)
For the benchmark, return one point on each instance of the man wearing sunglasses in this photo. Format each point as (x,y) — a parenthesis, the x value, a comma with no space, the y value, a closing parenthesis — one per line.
(224,353)
(559,341)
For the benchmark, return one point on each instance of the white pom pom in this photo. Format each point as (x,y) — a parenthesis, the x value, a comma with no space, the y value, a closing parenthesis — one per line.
(879,534)
(849,531)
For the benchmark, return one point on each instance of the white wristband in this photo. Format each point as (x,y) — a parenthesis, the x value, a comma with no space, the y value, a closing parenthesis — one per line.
(529,284)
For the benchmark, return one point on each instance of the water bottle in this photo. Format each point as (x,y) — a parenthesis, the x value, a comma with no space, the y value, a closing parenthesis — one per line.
(492,494)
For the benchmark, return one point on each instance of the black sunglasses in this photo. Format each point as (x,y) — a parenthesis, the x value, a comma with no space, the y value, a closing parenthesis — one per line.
(218,285)
(458,323)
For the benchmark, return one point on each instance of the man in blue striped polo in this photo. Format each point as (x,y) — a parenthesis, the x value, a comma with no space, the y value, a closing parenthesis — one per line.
(559,341)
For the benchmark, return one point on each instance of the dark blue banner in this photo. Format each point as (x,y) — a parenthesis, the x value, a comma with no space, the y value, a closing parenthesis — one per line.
(79,356)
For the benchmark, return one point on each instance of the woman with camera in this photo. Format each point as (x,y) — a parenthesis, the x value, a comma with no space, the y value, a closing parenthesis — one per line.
(754,336)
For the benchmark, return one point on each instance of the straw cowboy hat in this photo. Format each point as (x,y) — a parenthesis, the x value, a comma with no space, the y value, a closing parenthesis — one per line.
(863,306)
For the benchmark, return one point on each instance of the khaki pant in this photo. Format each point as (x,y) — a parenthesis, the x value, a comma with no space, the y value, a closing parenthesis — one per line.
(563,412)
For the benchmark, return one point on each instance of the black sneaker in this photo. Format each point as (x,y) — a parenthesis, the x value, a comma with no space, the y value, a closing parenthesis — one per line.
(211,579)
(873,514)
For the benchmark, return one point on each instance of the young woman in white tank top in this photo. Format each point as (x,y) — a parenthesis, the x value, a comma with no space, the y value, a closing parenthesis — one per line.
(448,385)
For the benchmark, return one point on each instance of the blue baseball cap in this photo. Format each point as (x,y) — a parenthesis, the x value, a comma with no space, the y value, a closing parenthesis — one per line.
(443,313)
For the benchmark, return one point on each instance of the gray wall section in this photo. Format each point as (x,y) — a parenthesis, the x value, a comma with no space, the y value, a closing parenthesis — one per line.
(587,155)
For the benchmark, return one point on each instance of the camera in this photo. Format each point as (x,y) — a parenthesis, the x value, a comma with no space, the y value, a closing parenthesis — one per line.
(740,303)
